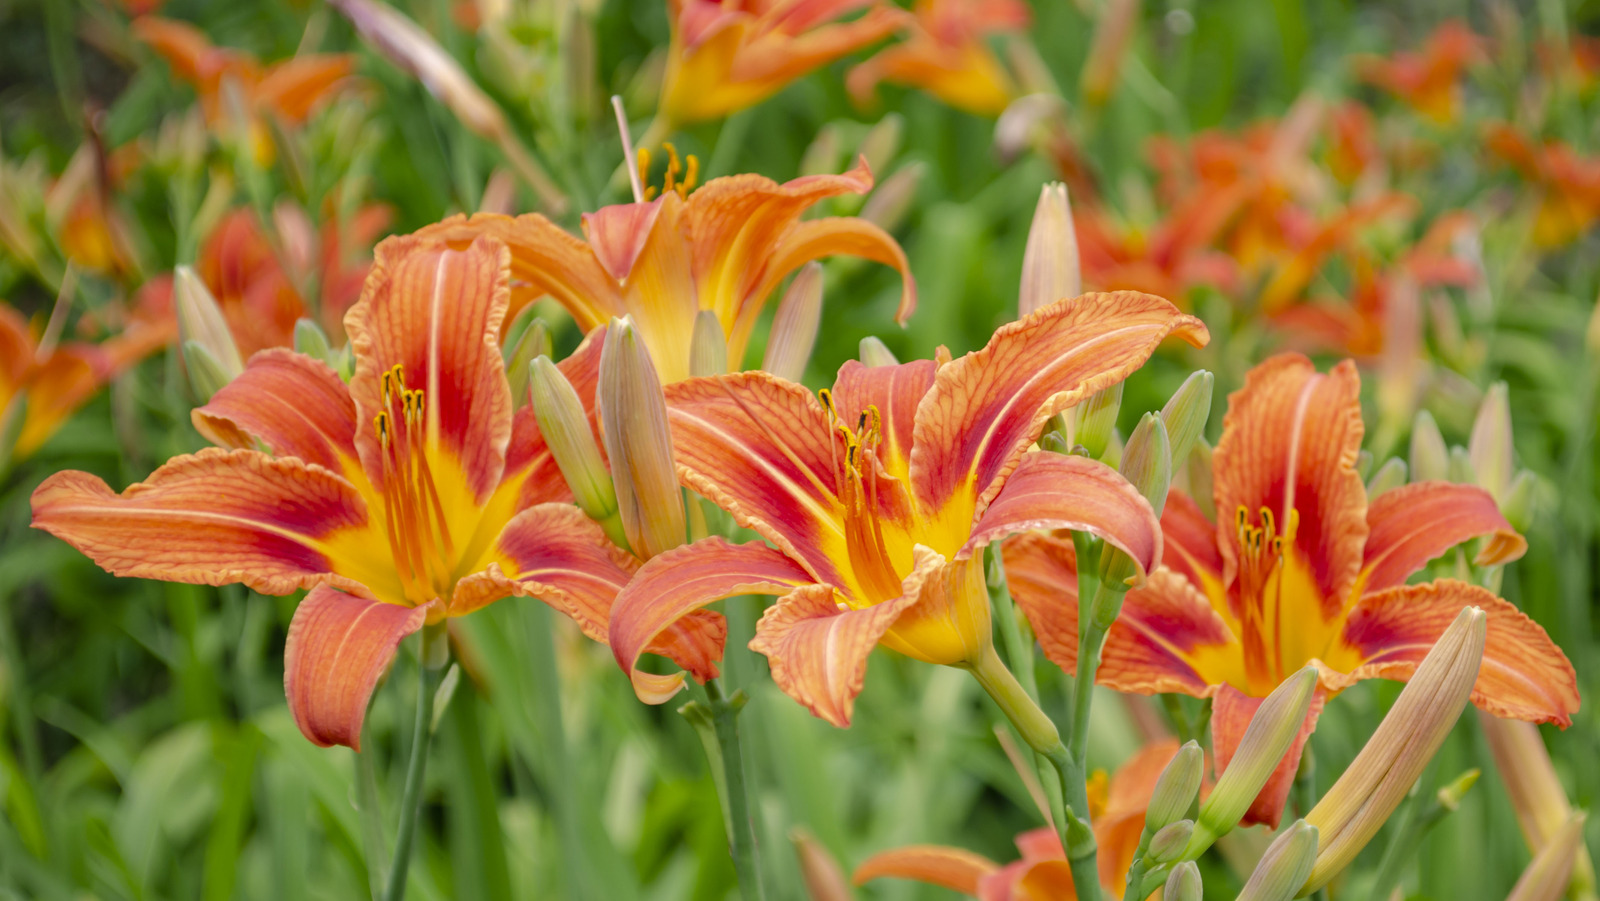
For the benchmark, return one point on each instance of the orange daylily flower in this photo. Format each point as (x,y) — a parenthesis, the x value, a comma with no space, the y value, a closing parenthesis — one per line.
(946,53)
(45,386)
(1116,812)
(1428,80)
(1300,569)
(410,495)
(1353,149)
(1568,185)
(723,248)
(727,55)
(879,500)
(1170,260)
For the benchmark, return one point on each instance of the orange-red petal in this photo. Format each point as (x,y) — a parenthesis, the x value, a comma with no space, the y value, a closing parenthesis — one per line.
(338,647)
(818,238)
(294,405)
(986,408)
(895,391)
(211,518)
(1042,575)
(1189,541)
(1524,676)
(1231,712)
(294,87)
(1168,638)
(956,869)
(1413,524)
(684,580)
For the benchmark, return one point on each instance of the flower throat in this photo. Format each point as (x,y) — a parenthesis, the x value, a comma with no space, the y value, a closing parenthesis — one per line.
(858,491)
(413,515)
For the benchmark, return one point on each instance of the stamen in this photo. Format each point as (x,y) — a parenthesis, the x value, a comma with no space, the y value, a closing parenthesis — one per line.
(413,510)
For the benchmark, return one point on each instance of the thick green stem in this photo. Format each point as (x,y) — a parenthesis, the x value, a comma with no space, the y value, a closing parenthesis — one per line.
(736,799)
(559,767)
(430,664)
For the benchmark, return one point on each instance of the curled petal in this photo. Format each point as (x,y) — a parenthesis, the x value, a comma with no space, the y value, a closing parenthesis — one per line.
(294,87)
(295,405)
(338,647)
(1413,524)
(1524,676)
(215,518)
(895,391)
(953,868)
(818,238)
(679,582)
(1169,638)
(986,408)
(617,234)
(1231,713)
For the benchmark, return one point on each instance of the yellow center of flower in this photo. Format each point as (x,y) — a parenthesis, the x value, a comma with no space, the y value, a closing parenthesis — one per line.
(413,515)
(1261,592)
(870,561)
(670,179)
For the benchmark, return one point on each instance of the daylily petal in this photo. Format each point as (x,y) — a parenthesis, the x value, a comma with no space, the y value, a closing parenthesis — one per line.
(293,404)
(850,236)
(1524,676)
(214,518)
(1046,880)
(1189,545)
(617,234)
(1168,638)
(1289,443)
(1231,711)
(57,388)
(1117,829)
(986,408)
(294,87)
(953,868)
(338,647)
(532,476)
(1413,524)
(760,448)
(1064,491)
(819,651)
(683,580)
(437,313)
(895,391)
(779,60)
(1042,575)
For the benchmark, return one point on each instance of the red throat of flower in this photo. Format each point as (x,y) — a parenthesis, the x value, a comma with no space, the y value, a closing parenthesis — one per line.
(1260,586)
(858,491)
(419,534)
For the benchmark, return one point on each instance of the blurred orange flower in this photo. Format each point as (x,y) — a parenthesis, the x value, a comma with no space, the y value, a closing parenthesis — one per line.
(1169,260)
(1568,184)
(946,53)
(1428,80)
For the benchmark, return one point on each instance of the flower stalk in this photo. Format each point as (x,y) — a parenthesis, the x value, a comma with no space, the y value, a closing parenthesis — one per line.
(717,723)
(434,654)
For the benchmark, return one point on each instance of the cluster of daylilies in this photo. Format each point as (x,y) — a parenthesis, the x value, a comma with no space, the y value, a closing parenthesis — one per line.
(391,434)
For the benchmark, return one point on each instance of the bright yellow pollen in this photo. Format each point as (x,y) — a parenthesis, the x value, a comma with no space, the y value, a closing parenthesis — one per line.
(858,487)
(413,516)
(1260,581)
(688,167)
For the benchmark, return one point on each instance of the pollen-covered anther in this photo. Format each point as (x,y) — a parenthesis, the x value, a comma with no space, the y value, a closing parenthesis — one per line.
(413,514)
(1261,551)
(687,167)
(858,493)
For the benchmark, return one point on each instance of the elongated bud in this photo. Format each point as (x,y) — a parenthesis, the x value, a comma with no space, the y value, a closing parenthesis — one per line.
(794,327)
(875,353)
(1366,794)
(206,375)
(882,141)
(823,878)
(311,340)
(889,203)
(1535,790)
(1176,788)
(1050,262)
(200,320)
(1183,883)
(1550,872)
(1461,469)
(1490,445)
(633,416)
(1094,419)
(1430,456)
(1270,733)
(1113,34)
(532,343)
(1186,413)
(1167,845)
(1520,505)
(1284,866)
(1147,460)
(1392,474)
(1197,472)
(566,431)
(823,153)
(708,352)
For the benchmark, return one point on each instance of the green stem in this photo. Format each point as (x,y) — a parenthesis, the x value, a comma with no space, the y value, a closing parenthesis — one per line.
(1019,653)
(557,773)
(741,828)
(430,663)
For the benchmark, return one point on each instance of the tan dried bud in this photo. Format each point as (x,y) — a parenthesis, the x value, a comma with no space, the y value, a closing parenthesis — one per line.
(1550,872)
(1490,446)
(1050,261)
(794,326)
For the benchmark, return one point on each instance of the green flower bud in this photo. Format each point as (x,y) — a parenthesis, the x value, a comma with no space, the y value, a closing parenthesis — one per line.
(875,353)
(206,375)
(633,416)
(566,431)
(530,344)
(1186,413)
(1183,883)
(1521,504)
(1095,418)
(1176,788)
(1461,468)
(1167,845)
(1430,456)
(311,340)
(1392,474)
(200,320)
(1490,445)
(1285,865)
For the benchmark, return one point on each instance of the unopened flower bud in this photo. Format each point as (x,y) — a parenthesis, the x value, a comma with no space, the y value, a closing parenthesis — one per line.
(875,353)
(1392,474)
(1537,796)
(1186,413)
(1183,883)
(1430,457)
(1094,419)
(1270,734)
(823,878)
(708,350)
(1284,866)
(530,344)
(1363,798)
(1147,460)
(882,141)
(565,429)
(822,155)
(1520,505)
(200,320)
(1027,123)
(1451,793)
(1549,874)
(794,327)
(633,416)
(1167,845)
(888,204)
(1176,788)
(1461,468)
(1113,34)
(206,375)
(311,340)
(1490,444)
(1197,478)
(1050,262)
(1054,443)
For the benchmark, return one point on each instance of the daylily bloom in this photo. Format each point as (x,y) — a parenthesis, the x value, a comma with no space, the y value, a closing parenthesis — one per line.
(1428,80)
(1170,260)
(1116,812)
(722,248)
(727,55)
(1568,185)
(410,495)
(879,500)
(1299,569)
(946,53)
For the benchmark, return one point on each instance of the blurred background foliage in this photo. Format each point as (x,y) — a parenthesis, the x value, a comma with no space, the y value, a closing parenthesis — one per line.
(147,750)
